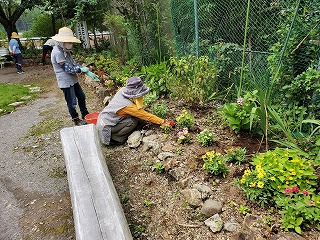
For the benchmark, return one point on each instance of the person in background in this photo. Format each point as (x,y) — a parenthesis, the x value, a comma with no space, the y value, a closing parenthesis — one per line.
(47,47)
(66,70)
(120,117)
(15,52)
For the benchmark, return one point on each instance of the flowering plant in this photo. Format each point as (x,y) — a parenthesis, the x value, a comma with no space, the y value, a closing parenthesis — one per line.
(206,138)
(184,136)
(273,172)
(236,155)
(185,119)
(299,208)
(240,114)
(215,164)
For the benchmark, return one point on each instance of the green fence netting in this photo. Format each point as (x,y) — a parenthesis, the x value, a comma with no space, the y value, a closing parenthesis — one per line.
(216,28)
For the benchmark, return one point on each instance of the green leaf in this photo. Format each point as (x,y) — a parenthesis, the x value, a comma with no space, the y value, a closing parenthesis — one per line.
(298,229)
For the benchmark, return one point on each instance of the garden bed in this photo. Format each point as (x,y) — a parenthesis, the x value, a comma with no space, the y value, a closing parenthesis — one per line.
(153,202)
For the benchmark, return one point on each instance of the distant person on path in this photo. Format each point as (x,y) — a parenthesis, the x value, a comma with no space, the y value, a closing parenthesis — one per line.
(15,52)
(47,47)
(120,117)
(66,70)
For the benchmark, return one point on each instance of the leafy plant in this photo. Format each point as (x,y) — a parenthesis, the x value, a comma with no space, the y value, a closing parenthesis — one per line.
(185,119)
(206,138)
(239,115)
(147,203)
(150,98)
(159,167)
(193,79)
(160,110)
(214,164)
(184,136)
(236,155)
(299,208)
(274,171)
(244,210)
(155,76)
(166,128)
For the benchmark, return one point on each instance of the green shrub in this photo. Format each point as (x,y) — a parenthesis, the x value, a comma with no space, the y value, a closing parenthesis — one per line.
(236,155)
(273,172)
(239,115)
(214,164)
(299,208)
(160,110)
(185,119)
(206,138)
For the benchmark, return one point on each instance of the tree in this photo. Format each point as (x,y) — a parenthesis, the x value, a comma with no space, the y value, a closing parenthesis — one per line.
(10,12)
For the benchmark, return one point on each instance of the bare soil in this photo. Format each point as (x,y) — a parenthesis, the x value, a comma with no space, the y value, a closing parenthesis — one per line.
(34,186)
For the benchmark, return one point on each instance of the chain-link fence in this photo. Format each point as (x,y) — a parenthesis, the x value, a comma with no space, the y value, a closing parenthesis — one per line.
(220,30)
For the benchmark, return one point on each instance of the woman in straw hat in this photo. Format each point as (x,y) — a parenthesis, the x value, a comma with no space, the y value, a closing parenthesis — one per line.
(66,69)
(14,49)
(120,117)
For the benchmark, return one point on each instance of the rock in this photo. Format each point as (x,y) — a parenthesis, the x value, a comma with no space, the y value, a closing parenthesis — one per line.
(211,207)
(287,236)
(215,223)
(164,155)
(152,145)
(177,174)
(204,190)
(253,228)
(35,89)
(232,226)
(134,139)
(25,97)
(193,197)
(149,138)
(16,104)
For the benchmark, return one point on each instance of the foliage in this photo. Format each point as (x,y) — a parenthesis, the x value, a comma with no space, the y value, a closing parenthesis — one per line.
(150,98)
(299,208)
(159,167)
(155,77)
(214,164)
(185,119)
(244,210)
(160,110)
(307,143)
(206,138)
(236,155)
(166,128)
(184,136)
(41,26)
(193,79)
(274,171)
(240,115)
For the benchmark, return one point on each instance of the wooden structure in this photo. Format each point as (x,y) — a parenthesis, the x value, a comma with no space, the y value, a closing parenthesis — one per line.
(96,206)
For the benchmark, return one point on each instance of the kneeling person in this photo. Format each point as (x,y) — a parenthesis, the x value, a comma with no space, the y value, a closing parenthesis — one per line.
(120,117)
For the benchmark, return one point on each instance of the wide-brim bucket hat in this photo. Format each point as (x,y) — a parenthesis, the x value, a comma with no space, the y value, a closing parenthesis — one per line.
(134,88)
(14,35)
(65,35)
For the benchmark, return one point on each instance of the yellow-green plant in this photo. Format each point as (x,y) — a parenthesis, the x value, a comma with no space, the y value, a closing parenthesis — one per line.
(274,171)
(185,119)
(214,164)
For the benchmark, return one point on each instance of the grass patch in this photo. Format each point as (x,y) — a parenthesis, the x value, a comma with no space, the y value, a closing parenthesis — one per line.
(10,93)
(46,126)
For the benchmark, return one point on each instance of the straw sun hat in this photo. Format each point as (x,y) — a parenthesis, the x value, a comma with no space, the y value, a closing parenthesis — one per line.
(134,88)
(65,35)
(14,35)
